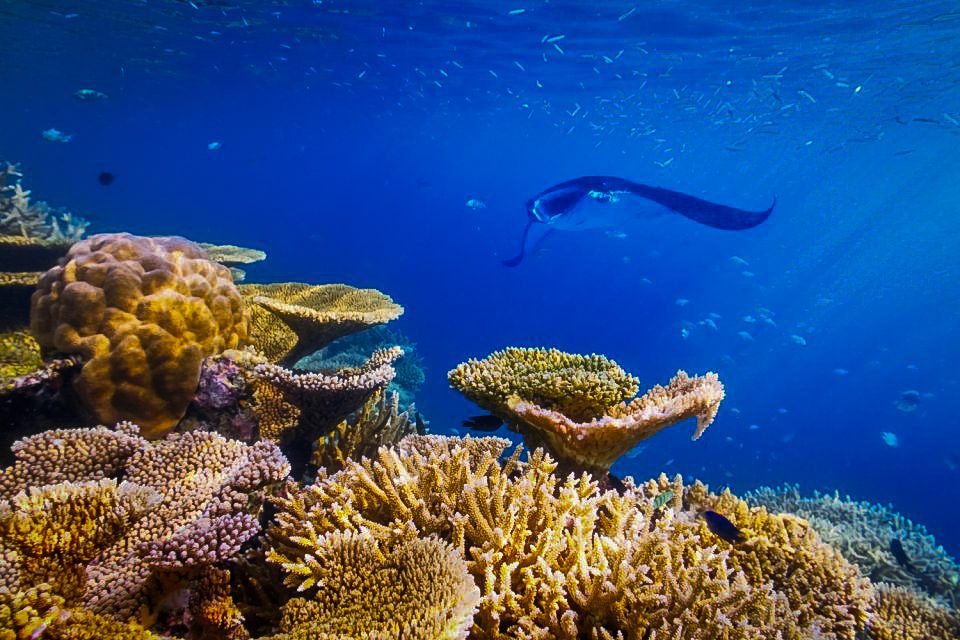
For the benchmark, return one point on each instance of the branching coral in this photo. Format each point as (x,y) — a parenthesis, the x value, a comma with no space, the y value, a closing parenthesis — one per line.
(26,614)
(416,589)
(379,423)
(576,405)
(906,614)
(143,313)
(863,532)
(290,320)
(560,558)
(36,220)
(56,530)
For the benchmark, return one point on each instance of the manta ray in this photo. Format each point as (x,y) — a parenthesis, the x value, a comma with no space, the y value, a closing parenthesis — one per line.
(604,202)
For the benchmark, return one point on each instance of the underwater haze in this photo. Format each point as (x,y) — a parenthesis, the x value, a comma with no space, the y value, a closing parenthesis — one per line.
(394,144)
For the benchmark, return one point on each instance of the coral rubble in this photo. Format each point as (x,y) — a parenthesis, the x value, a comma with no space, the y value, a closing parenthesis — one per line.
(142,313)
(577,407)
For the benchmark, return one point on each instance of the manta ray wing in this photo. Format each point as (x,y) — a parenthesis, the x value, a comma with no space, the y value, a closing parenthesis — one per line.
(711,214)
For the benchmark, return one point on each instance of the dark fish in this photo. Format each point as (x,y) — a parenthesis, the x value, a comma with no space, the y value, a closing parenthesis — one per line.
(616,483)
(722,528)
(106,178)
(483,423)
(896,548)
(606,202)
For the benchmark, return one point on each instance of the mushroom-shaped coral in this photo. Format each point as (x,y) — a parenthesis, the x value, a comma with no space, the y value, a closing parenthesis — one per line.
(418,589)
(576,405)
(142,313)
(290,320)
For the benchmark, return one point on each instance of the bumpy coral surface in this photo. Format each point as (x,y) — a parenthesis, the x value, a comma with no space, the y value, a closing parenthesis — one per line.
(862,532)
(290,320)
(906,614)
(416,589)
(19,355)
(576,405)
(143,313)
(559,558)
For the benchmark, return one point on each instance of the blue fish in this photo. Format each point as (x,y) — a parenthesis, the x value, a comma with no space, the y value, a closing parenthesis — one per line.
(604,202)
(721,527)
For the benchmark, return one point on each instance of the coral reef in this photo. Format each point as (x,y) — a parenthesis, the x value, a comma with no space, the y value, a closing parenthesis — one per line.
(905,614)
(36,220)
(576,406)
(297,408)
(125,551)
(418,589)
(26,614)
(353,350)
(863,532)
(379,423)
(19,356)
(290,320)
(142,313)
(231,255)
(560,558)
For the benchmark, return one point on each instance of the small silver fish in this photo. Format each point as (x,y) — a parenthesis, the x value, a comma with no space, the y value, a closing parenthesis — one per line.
(90,95)
(55,135)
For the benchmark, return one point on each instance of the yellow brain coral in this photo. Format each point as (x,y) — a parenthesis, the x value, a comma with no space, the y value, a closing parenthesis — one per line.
(290,320)
(143,313)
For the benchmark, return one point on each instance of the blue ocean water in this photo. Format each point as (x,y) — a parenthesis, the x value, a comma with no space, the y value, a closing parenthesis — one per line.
(353,133)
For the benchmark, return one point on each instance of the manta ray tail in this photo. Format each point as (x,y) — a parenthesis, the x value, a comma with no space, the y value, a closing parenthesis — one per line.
(714,215)
(514,261)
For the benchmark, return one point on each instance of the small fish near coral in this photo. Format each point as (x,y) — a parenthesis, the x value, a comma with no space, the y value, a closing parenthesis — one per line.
(485,423)
(607,202)
(721,527)
(896,548)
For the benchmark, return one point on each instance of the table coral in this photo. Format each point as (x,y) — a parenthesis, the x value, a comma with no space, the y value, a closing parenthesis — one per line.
(143,313)
(558,557)
(906,614)
(416,589)
(577,407)
(290,320)
(862,532)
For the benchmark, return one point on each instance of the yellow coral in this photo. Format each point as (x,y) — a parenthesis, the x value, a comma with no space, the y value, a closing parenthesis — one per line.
(290,320)
(214,613)
(57,529)
(19,355)
(581,387)
(80,624)
(143,313)
(415,589)
(25,615)
(906,614)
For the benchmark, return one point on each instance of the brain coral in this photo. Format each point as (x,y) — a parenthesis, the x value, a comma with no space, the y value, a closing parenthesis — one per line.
(143,313)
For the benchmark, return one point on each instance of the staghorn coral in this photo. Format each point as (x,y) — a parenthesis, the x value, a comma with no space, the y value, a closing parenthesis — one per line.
(214,614)
(290,320)
(906,614)
(55,530)
(576,405)
(143,313)
(310,404)
(354,350)
(416,589)
(560,558)
(379,423)
(862,532)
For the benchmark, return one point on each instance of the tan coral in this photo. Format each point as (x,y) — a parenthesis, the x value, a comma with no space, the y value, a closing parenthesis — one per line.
(598,443)
(290,320)
(416,589)
(57,529)
(26,614)
(906,614)
(143,313)
(214,614)
(19,355)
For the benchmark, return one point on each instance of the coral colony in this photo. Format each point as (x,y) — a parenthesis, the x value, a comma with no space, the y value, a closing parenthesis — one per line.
(175,475)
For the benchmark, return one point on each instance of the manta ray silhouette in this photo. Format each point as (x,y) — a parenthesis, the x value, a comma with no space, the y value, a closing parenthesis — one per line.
(591,202)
